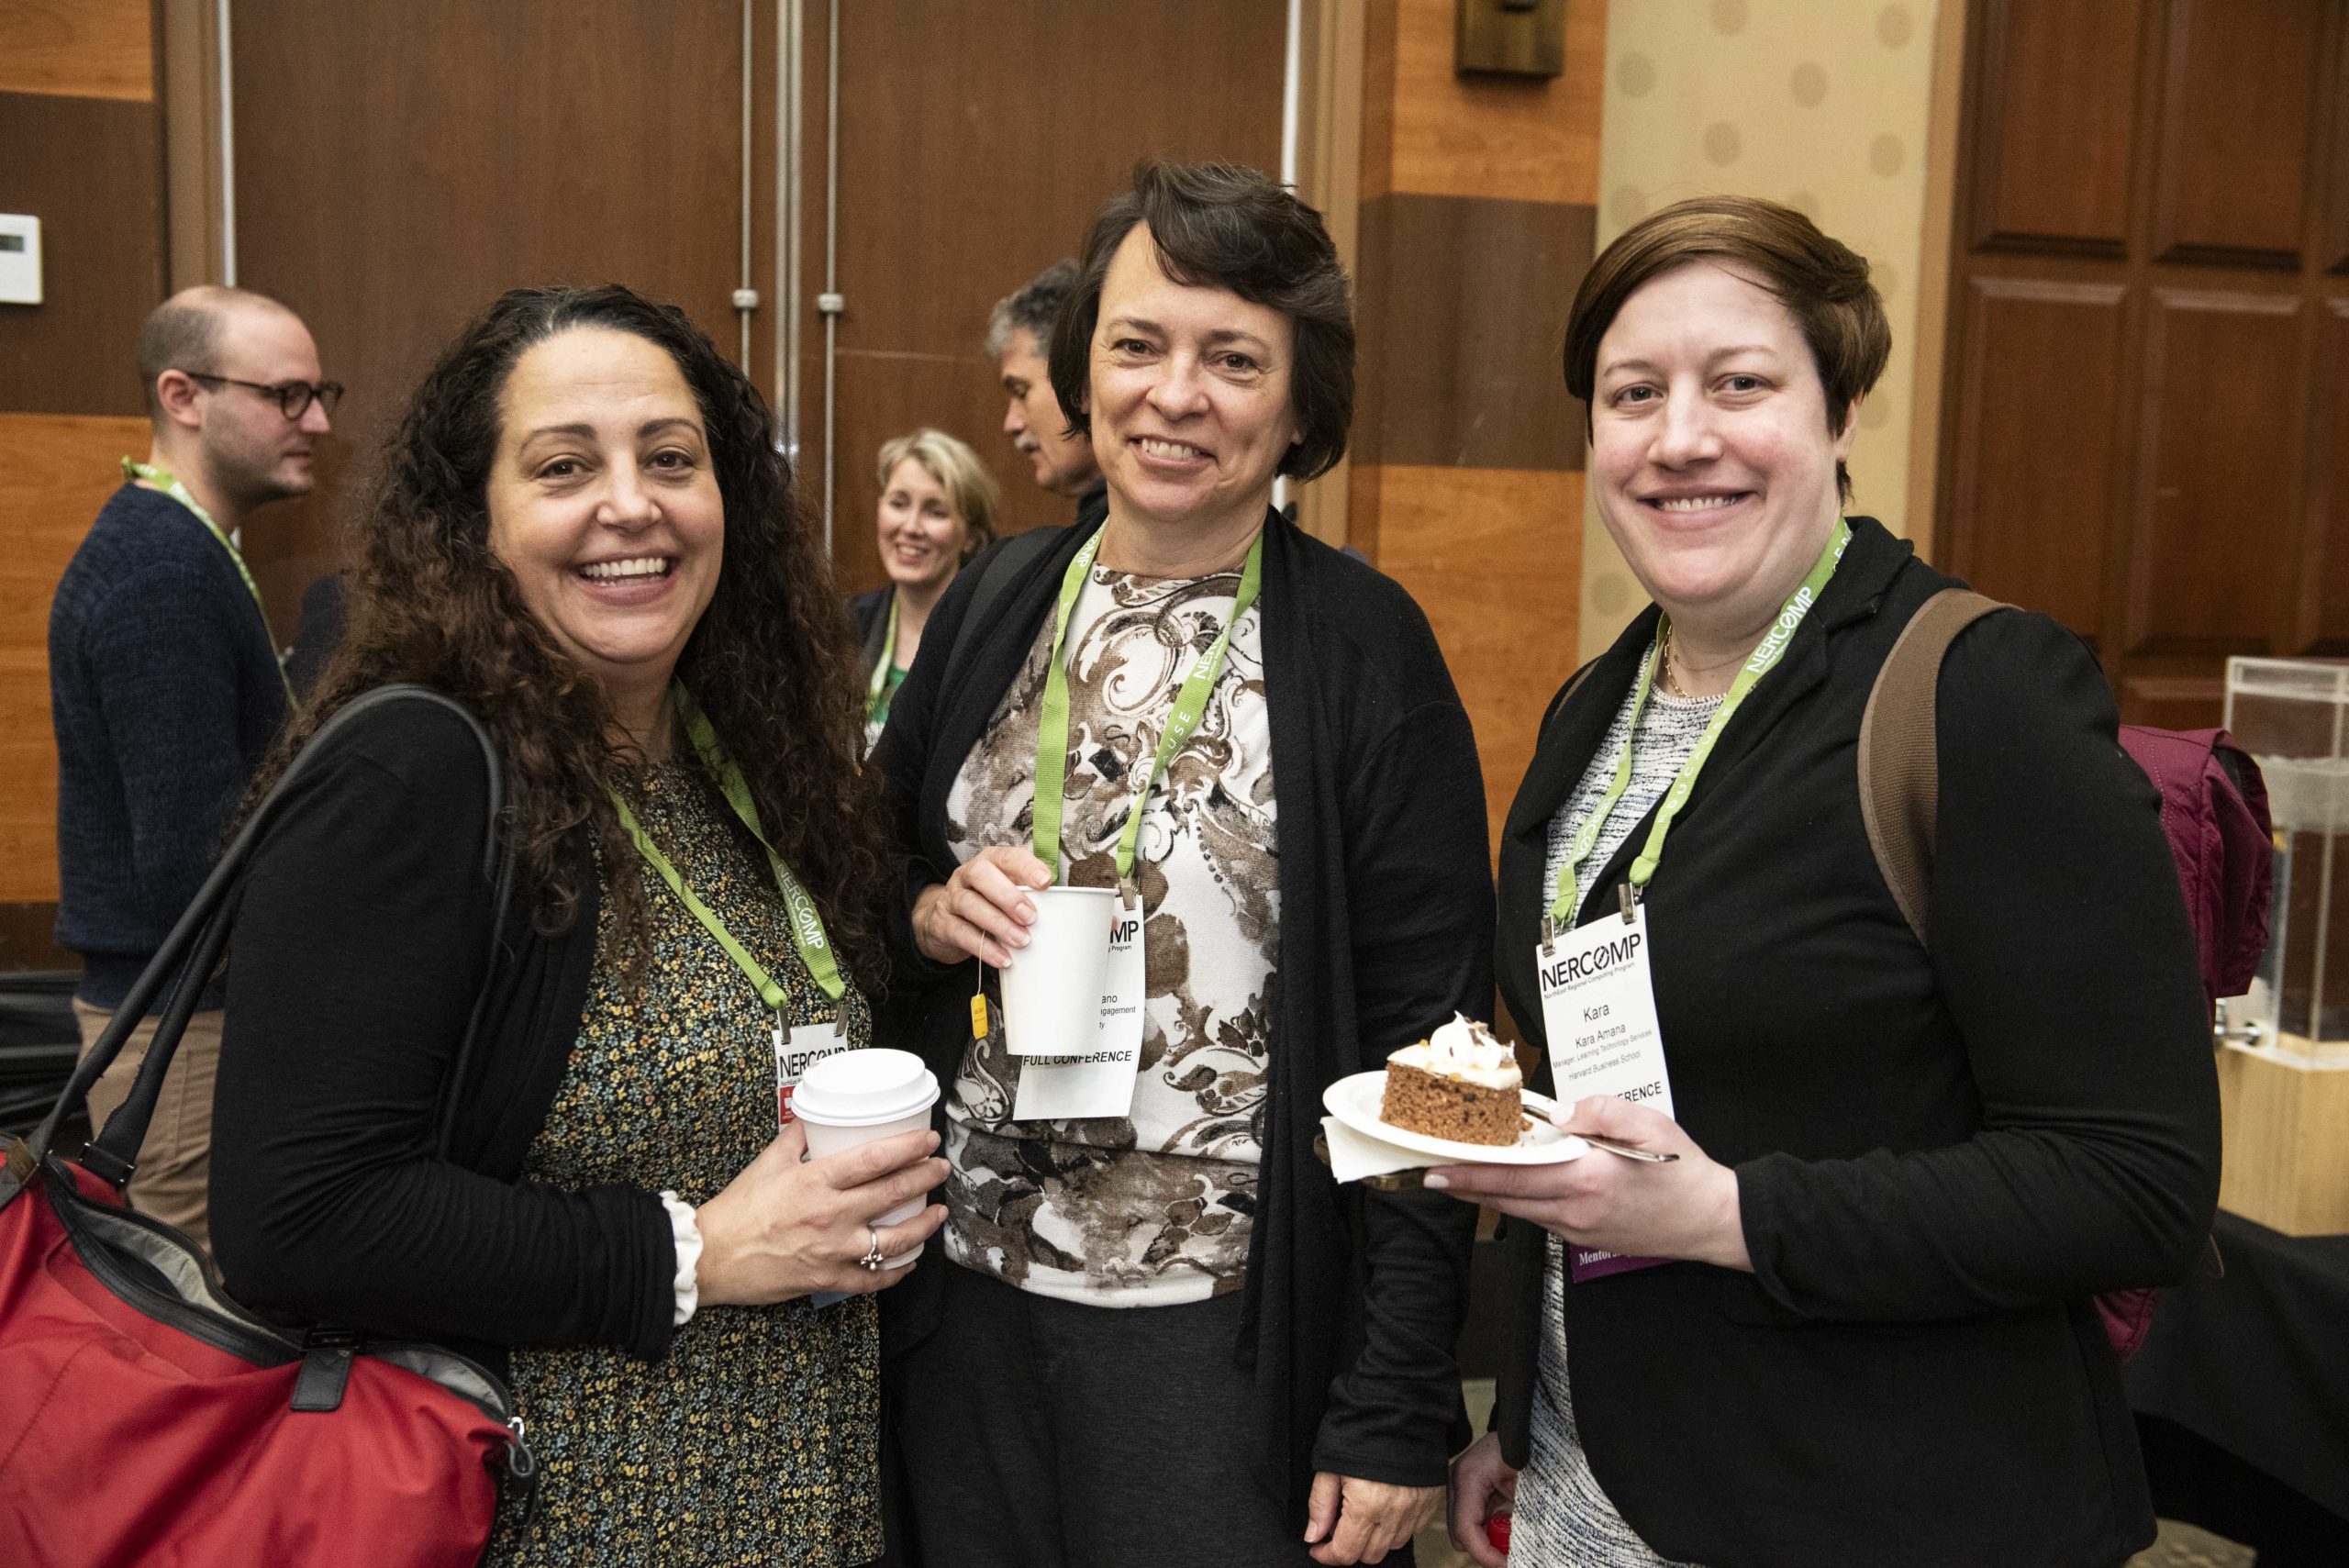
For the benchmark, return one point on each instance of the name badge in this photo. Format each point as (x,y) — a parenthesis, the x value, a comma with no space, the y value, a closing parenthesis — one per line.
(1598,1009)
(798,1051)
(1100,1083)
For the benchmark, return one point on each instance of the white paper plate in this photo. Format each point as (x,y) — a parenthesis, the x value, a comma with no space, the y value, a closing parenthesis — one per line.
(1356,1101)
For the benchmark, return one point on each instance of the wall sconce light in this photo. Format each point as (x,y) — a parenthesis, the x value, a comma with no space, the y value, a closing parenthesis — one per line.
(1510,37)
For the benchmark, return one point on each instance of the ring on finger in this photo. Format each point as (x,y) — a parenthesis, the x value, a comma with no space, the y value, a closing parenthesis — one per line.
(871,1261)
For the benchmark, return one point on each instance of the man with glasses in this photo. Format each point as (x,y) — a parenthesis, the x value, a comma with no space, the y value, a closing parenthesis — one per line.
(165,685)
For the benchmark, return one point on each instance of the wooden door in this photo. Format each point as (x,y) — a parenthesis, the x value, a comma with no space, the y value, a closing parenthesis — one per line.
(399,163)
(2148,391)
(976,143)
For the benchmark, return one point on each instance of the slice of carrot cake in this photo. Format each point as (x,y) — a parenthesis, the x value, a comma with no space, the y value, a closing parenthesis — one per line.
(1462,1084)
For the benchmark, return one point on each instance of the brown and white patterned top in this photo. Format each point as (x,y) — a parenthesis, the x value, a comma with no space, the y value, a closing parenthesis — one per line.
(1151,1209)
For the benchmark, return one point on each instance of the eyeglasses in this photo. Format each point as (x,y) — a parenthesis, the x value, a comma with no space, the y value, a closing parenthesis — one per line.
(293,397)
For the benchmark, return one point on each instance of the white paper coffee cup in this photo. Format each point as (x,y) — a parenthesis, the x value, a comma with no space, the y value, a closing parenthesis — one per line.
(858,1095)
(1051,992)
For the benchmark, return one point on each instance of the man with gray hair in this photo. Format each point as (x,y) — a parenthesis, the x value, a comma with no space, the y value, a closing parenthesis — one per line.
(1019,339)
(165,686)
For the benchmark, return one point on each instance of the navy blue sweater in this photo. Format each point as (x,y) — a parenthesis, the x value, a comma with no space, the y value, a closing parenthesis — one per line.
(164,686)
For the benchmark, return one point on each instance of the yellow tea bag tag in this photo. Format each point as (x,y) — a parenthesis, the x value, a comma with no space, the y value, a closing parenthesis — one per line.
(979,1017)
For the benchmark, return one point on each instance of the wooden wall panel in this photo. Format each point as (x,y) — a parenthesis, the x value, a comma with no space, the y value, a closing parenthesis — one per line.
(969,163)
(2218,493)
(402,163)
(1478,222)
(1494,559)
(2035,460)
(1463,308)
(81,149)
(2239,118)
(2329,493)
(56,471)
(2056,84)
(90,169)
(2336,244)
(84,48)
(1515,139)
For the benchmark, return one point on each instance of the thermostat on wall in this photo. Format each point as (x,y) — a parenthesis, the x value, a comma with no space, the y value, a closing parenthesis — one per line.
(19,258)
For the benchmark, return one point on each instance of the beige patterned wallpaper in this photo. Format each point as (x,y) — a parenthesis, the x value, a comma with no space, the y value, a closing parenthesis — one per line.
(1825,105)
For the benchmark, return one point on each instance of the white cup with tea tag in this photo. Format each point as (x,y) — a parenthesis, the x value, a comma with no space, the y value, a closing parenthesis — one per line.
(858,1095)
(1051,992)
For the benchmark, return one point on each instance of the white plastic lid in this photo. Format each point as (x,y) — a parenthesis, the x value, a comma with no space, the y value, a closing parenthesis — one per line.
(859,1088)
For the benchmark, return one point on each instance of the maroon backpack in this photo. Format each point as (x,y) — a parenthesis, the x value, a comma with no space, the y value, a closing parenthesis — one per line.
(2214,811)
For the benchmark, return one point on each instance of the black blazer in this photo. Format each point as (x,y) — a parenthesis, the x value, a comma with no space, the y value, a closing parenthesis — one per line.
(1353,1299)
(1939,1156)
(361,941)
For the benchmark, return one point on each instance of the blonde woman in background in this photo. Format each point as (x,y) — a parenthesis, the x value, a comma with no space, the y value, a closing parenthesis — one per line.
(938,509)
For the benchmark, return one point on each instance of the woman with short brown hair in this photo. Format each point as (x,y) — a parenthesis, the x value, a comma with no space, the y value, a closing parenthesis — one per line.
(1165,1334)
(1847,1322)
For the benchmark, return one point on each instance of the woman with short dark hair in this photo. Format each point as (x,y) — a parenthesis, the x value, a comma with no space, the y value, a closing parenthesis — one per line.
(1848,1323)
(585,535)
(1166,1335)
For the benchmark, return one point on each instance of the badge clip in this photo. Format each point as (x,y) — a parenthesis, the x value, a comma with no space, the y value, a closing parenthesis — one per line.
(1549,935)
(1630,901)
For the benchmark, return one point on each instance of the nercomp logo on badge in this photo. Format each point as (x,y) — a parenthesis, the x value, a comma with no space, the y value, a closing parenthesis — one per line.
(1576,966)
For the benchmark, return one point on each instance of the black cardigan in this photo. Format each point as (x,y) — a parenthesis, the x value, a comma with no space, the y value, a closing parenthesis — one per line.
(1354,1300)
(868,617)
(1939,1157)
(360,948)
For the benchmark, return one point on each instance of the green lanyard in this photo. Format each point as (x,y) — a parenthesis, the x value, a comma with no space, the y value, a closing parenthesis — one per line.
(807,932)
(1759,663)
(1190,705)
(879,692)
(169,484)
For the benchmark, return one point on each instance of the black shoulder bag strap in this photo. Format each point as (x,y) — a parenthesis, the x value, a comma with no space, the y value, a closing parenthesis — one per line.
(193,952)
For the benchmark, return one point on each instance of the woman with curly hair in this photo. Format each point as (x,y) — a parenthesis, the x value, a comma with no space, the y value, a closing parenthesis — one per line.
(585,534)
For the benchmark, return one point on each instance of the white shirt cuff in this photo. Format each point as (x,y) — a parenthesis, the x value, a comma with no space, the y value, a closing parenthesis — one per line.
(687,1233)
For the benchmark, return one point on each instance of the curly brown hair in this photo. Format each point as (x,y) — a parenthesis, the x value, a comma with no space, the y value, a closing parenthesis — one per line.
(771,662)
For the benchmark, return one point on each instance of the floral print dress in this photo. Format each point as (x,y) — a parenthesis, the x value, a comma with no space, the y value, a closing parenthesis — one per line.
(755,1439)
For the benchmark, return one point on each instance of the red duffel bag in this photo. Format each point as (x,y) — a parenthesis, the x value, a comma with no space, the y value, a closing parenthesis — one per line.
(146,1418)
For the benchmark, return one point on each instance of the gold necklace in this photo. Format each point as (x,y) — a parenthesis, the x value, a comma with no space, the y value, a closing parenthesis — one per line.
(1664,666)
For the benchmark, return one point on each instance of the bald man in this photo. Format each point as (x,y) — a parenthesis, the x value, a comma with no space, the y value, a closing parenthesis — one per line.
(165,685)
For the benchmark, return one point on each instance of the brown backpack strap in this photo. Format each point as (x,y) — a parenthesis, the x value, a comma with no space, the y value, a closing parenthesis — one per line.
(1899,766)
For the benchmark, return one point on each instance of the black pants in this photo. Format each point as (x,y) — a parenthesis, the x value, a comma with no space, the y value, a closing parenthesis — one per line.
(1036,1433)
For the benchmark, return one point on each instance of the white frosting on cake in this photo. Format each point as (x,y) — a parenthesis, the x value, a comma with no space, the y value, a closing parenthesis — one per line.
(1465,1049)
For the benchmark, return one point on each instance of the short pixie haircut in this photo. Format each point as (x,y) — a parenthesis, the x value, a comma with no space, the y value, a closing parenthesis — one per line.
(1823,283)
(1225,226)
(970,489)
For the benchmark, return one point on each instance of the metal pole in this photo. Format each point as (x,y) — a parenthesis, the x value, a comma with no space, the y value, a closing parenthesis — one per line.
(1292,67)
(791,40)
(227,151)
(746,290)
(830,301)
